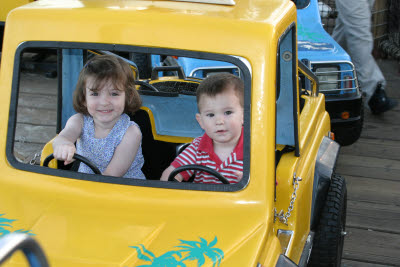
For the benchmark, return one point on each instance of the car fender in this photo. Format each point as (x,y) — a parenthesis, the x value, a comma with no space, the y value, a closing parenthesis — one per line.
(327,155)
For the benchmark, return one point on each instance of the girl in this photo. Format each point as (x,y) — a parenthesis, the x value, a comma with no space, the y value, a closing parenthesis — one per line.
(101,129)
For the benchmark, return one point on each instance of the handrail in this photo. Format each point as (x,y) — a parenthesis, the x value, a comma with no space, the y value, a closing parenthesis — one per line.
(13,242)
(311,76)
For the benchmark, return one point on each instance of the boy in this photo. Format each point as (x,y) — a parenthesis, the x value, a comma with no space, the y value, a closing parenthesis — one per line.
(220,100)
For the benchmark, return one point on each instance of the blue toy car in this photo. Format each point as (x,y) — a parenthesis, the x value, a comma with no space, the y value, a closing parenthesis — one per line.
(335,71)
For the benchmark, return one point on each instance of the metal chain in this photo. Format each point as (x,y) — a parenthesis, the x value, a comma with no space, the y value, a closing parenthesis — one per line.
(36,159)
(283,217)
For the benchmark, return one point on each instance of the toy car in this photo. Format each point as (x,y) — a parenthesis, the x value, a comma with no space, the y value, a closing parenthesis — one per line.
(335,72)
(279,214)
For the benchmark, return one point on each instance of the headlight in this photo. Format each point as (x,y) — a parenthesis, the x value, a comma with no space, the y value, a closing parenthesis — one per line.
(328,77)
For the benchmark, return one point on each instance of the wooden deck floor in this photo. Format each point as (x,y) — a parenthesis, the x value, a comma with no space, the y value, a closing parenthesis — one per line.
(371,168)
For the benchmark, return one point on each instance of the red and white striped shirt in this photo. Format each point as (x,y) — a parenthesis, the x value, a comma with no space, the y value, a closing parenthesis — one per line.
(201,152)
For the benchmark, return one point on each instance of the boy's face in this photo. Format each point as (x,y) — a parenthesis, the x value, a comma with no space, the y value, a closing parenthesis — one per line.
(221,117)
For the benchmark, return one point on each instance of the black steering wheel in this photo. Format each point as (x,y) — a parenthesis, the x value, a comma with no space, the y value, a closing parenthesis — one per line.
(195,167)
(76,157)
(147,85)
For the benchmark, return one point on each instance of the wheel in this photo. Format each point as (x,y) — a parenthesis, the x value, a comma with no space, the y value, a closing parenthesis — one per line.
(329,237)
(76,157)
(197,168)
(348,135)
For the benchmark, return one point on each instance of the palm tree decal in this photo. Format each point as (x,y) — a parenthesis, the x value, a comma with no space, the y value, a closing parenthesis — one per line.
(6,227)
(196,251)
(189,251)
(165,260)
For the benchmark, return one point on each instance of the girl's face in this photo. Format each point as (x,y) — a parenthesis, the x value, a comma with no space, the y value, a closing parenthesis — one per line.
(221,117)
(106,103)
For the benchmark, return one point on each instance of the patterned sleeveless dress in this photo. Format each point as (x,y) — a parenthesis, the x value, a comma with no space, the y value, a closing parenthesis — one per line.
(101,150)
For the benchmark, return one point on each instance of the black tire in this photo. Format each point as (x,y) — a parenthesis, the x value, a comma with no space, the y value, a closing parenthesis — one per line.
(329,237)
(346,136)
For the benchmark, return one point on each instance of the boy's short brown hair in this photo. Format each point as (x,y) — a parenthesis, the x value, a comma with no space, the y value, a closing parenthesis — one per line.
(218,83)
(103,68)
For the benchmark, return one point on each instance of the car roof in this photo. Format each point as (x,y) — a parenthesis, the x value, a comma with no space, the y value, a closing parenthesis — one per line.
(173,24)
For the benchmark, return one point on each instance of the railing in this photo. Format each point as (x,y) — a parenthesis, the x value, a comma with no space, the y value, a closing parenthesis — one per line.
(11,243)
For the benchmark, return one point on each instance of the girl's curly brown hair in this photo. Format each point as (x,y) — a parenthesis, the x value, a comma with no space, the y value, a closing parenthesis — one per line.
(103,68)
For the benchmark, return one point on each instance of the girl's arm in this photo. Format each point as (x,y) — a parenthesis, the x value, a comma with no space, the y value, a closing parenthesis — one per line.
(125,153)
(63,144)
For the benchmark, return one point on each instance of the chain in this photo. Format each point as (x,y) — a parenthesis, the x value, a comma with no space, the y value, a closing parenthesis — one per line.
(283,218)
(36,159)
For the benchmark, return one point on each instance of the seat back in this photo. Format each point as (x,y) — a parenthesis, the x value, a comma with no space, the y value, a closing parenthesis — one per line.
(158,155)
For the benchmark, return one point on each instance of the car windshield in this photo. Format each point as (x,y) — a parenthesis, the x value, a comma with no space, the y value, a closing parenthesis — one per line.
(166,82)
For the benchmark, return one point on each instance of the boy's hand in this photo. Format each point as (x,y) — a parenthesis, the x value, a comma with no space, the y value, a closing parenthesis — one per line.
(239,175)
(167,172)
(64,152)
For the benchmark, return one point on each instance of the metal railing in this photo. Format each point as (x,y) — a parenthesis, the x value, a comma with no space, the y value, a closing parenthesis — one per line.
(13,242)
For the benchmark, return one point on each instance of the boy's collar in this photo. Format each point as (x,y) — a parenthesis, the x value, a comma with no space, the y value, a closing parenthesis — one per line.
(206,145)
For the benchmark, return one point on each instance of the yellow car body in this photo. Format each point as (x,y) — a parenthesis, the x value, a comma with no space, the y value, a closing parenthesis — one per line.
(5,7)
(83,220)
(8,5)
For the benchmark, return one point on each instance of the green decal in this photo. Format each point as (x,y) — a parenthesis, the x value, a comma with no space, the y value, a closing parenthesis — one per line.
(189,251)
(6,227)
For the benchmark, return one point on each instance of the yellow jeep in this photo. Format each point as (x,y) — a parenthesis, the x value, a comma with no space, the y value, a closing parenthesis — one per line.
(288,210)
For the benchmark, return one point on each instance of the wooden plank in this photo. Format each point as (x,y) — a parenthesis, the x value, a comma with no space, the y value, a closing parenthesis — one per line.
(350,263)
(374,216)
(32,100)
(26,133)
(38,84)
(391,117)
(367,147)
(373,190)
(380,130)
(36,116)
(372,167)
(390,69)
(386,149)
(372,247)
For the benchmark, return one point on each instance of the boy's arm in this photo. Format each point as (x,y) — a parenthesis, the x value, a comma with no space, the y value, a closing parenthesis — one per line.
(181,160)
(63,145)
(167,172)
(125,153)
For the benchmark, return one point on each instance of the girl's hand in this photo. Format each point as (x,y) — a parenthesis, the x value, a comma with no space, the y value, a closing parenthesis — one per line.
(65,152)
(63,145)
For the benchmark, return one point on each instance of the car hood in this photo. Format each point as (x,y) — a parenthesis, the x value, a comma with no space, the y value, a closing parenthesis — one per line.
(113,225)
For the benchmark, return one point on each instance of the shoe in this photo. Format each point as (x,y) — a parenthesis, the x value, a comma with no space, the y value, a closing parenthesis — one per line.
(379,102)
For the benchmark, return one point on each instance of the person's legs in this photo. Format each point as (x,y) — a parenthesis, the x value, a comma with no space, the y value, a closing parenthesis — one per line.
(354,18)
(339,33)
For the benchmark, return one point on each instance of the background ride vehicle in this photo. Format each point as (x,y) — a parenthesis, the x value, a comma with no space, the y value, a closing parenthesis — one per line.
(276,216)
(335,72)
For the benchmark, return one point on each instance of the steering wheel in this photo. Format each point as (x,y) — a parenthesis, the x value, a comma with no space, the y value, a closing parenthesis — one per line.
(77,157)
(147,85)
(195,167)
